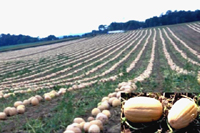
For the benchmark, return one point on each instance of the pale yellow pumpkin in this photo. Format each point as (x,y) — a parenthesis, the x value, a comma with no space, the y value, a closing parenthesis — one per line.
(17,103)
(142,109)
(182,113)
(34,101)
(3,115)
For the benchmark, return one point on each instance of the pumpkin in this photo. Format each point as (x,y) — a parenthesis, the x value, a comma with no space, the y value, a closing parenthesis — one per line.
(12,111)
(90,118)
(26,102)
(82,125)
(111,100)
(54,92)
(102,117)
(94,129)
(30,99)
(116,102)
(47,97)
(142,109)
(86,126)
(39,97)
(20,109)
(69,131)
(96,122)
(106,112)
(105,105)
(61,91)
(182,113)
(74,128)
(18,103)
(95,111)
(6,110)
(34,101)
(3,116)
(78,120)
(102,107)
(51,94)
(6,95)
(105,99)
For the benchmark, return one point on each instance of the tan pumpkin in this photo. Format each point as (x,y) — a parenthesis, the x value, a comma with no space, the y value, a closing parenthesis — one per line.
(3,116)
(116,102)
(12,111)
(182,113)
(90,118)
(142,109)
(68,131)
(39,97)
(82,125)
(47,97)
(21,109)
(94,129)
(6,110)
(106,112)
(34,101)
(96,122)
(26,102)
(102,117)
(18,103)
(78,120)
(95,111)
(74,128)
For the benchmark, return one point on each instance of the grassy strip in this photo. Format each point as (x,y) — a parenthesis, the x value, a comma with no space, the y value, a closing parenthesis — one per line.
(28,45)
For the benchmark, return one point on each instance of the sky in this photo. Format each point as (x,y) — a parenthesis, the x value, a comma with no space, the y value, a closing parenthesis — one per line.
(40,18)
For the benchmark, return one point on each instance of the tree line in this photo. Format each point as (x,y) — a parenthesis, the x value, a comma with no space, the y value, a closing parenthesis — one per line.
(164,19)
(7,39)
(168,18)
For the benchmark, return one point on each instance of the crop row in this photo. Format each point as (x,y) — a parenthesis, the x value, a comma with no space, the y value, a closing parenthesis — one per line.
(194,27)
(92,45)
(170,61)
(68,62)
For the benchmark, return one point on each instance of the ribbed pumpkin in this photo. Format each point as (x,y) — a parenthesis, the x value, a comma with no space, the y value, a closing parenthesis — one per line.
(182,113)
(142,109)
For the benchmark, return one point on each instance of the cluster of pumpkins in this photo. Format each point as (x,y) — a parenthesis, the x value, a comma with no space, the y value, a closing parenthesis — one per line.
(20,106)
(143,109)
(172,65)
(99,116)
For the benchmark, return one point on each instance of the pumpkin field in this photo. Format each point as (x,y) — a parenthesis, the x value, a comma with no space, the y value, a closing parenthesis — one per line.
(76,86)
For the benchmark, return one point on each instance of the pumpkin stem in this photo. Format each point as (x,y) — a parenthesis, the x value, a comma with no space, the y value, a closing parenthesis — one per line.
(171,130)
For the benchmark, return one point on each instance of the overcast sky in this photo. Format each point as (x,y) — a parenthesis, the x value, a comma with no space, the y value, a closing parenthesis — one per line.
(64,17)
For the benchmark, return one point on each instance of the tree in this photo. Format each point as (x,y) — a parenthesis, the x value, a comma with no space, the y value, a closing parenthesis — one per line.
(102,27)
